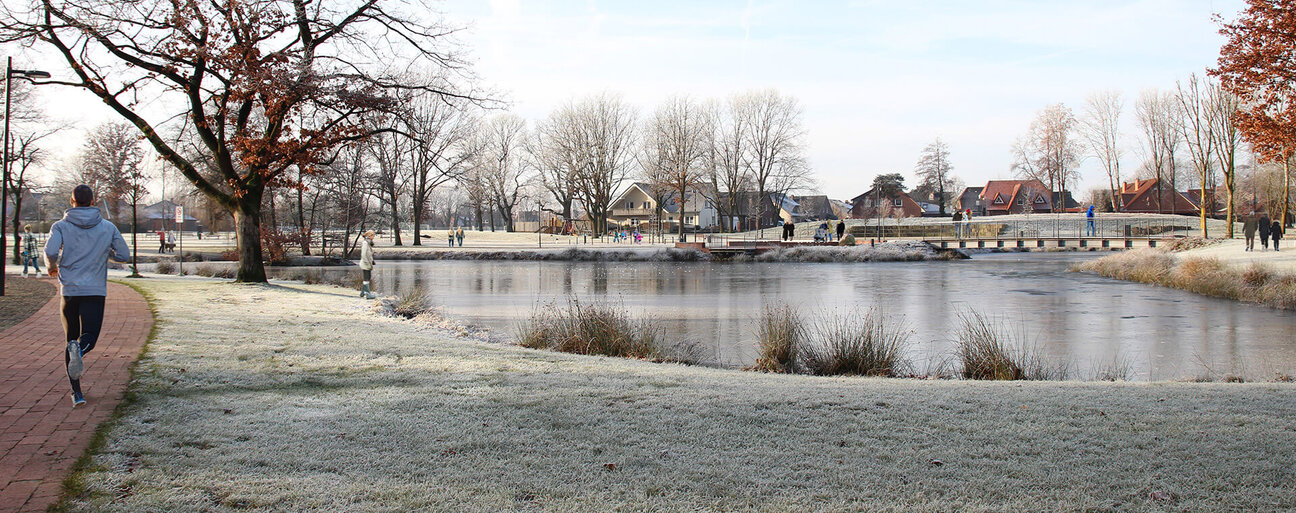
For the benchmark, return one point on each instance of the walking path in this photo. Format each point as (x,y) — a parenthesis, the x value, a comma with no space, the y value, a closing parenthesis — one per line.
(41,435)
(1233,252)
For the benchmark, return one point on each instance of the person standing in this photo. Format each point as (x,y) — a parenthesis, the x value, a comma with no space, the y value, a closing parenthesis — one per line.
(1249,226)
(1090,231)
(841,229)
(967,223)
(161,242)
(1264,230)
(459,236)
(29,251)
(366,264)
(450,236)
(77,252)
(957,219)
(1276,232)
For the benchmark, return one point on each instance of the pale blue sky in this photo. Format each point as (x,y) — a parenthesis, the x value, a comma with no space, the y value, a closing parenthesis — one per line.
(878,79)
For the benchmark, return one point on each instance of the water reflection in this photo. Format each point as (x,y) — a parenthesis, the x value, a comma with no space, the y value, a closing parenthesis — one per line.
(1077,318)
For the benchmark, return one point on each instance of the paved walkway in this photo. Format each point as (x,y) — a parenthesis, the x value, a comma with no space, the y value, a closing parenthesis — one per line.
(1233,252)
(41,435)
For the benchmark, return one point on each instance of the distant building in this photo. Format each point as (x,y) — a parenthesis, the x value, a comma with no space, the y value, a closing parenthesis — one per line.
(1001,197)
(636,208)
(871,204)
(751,212)
(1144,197)
(813,208)
(970,199)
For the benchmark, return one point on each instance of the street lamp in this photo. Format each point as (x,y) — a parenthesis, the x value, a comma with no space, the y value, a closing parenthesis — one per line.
(4,163)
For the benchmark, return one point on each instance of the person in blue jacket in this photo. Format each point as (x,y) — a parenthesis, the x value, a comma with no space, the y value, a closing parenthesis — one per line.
(1089,222)
(77,253)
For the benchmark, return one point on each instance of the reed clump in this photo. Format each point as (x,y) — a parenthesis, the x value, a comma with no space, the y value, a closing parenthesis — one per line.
(165,267)
(413,304)
(989,350)
(601,329)
(1255,283)
(857,343)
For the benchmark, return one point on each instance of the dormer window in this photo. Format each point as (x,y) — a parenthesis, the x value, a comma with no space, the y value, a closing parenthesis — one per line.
(898,202)
(998,199)
(1039,199)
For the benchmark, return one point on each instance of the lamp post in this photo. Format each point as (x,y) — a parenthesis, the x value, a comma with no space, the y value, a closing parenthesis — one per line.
(4,163)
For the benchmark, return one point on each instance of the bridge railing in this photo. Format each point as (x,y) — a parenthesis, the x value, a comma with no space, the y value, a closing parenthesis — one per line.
(1034,227)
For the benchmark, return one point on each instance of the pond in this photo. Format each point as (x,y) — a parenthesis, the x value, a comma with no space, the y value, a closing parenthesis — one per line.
(1077,319)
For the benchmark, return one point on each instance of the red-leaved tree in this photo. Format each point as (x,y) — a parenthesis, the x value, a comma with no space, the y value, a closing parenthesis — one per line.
(266,87)
(1256,64)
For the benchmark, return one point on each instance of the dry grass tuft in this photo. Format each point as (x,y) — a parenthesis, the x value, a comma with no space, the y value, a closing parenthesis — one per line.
(413,304)
(215,271)
(601,329)
(780,335)
(989,350)
(165,267)
(1207,276)
(859,343)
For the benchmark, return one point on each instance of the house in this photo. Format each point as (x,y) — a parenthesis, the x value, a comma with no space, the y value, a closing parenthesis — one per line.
(841,209)
(158,216)
(637,208)
(813,208)
(1000,197)
(1145,197)
(751,212)
(871,204)
(1215,198)
(970,199)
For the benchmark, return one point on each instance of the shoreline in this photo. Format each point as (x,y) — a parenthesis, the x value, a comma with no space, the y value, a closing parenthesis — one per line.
(260,408)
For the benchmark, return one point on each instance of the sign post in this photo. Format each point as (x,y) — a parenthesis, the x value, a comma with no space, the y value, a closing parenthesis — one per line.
(180,236)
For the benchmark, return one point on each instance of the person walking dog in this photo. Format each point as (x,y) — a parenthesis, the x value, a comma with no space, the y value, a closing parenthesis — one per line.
(29,251)
(366,263)
(77,252)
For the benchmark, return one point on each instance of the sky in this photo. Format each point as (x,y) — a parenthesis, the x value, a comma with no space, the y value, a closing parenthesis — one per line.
(878,80)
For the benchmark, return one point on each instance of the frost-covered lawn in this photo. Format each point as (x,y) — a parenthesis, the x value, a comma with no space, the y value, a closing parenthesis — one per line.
(296,398)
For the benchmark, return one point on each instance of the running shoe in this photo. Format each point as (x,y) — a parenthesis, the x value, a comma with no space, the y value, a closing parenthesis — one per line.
(77,399)
(75,365)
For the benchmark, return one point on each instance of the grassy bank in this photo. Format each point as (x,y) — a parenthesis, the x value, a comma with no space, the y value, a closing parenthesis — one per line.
(297,398)
(1255,283)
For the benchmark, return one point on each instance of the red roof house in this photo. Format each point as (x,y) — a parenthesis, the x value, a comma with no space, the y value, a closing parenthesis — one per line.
(1141,196)
(1016,197)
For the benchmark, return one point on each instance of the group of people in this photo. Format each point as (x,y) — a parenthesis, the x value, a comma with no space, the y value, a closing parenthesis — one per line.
(455,235)
(962,220)
(624,236)
(1267,228)
(824,233)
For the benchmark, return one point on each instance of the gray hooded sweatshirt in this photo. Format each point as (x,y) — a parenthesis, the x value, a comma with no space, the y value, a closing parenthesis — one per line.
(87,241)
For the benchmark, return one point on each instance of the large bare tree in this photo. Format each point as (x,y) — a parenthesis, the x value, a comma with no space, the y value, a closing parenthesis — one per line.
(774,140)
(933,170)
(502,163)
(266,86)
(730,180)
(598,132)
(1223,116)
(1194,102)
(440,131)
(677,143)
(1050,151)
(1100,128)
(1156,112)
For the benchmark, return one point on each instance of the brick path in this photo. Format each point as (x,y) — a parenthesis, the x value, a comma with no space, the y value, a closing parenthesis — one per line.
(41,436)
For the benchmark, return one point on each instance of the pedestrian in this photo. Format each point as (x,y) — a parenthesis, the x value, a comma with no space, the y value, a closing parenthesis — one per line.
(789,230)
(199,233)
(827,233)
(29,251)
(1089,222)
(841,229)
(366,263)
(459,236)
(450,238)
(161,241)
(1276,232)
(957,219)
(1249,226)
(1264,230)
(77,253)
(967,223)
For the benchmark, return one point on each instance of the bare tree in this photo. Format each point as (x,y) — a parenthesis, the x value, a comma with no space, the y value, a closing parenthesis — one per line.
(1223,118)
(1100,128)
(730,180)
(676,147)
(601,136)
(391,153)
(113,160)
(773,136)
(1194,125)
(1157,119)
(1050,152)
(440,131)
(933,170)
(556,163)
(266,86)
(502,163)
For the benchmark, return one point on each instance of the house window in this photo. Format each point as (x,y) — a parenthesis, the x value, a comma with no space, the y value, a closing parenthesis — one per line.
(1039,198)
(898,202)
(1021,200)
(998,199)
(630,205)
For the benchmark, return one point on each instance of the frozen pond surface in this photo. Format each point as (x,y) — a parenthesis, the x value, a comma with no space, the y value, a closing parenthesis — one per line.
(1077,318)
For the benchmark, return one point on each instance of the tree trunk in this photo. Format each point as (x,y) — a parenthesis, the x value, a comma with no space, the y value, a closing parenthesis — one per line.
(1228,187)
(134,231)
(303,233)
(1286,189)
(418,220)
(247,225)
(395,219)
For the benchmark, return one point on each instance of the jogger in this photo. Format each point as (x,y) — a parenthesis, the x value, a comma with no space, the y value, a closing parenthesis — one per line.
(77,252)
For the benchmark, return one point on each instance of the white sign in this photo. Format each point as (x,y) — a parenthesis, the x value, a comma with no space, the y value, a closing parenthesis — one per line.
(180,215)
